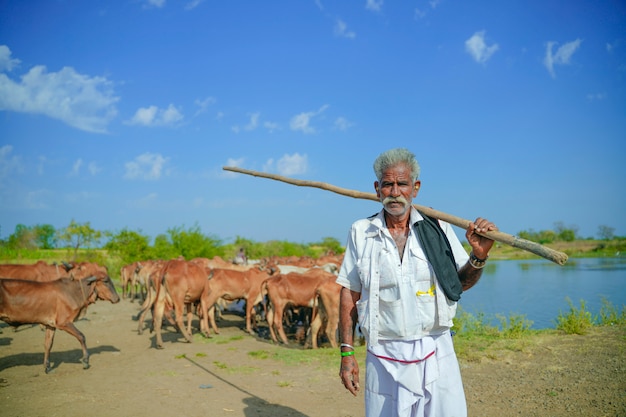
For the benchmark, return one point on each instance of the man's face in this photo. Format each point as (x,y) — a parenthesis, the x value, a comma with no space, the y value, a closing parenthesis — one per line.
(396,190)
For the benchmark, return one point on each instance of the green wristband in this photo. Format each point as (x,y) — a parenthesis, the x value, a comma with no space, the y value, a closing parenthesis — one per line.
(348,353)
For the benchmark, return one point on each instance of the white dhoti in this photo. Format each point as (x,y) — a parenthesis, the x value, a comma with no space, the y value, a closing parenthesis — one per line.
(418,378)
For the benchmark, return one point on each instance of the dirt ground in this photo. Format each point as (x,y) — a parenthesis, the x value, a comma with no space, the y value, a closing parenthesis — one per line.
(229,375)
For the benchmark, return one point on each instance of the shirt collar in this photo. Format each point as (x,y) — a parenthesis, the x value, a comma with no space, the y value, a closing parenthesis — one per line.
(378,220)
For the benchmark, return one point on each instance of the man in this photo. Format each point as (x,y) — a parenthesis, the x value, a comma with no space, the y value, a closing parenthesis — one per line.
(402,275)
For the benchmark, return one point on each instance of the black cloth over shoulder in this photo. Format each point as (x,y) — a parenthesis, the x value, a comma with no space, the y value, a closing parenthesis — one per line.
(439,254)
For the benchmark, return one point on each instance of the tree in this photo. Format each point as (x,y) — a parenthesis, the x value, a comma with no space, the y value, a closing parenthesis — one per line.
(566,234)
(332,245)
(606,232)
(191,243)
(162,248)
(45,236)
(78,235)
(22,238)
(129,245)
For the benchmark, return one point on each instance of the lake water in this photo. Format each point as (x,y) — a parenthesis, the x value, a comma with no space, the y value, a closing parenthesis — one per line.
(539,289)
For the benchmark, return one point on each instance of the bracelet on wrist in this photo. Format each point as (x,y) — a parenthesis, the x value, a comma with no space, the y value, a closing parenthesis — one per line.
(348,353)
(346,345)
(476,262)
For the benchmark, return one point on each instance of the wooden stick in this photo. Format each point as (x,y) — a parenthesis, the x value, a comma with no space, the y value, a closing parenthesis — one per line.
(527,245)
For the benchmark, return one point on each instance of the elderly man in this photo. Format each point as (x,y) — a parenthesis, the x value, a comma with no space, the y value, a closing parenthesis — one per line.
(402,275)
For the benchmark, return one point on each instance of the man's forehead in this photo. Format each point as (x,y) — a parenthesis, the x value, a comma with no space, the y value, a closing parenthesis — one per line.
(397,172)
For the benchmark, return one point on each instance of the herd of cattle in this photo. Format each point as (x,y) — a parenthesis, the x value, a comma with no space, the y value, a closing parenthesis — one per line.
(280,290)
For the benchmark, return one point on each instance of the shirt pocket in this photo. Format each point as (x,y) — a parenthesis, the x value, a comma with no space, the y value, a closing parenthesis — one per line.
(421,266)
(364,268)
(391,319)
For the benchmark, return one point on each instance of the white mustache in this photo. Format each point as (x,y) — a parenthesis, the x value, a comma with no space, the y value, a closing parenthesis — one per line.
(389,200)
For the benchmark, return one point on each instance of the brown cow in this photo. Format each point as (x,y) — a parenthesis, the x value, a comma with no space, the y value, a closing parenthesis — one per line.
(233,285)
(128,277)
(292,289)
(39,271)
(326,313)
(151,273)
(184,284)
(55,304)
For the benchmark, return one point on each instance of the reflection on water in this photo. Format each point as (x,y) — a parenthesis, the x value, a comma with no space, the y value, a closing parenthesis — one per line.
(540,289)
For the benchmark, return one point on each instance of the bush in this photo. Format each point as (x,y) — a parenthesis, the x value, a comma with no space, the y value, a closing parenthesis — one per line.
(576,321)
(515,326)
(610,315)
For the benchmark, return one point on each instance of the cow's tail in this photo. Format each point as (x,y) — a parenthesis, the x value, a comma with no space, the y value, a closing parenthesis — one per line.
(263,295)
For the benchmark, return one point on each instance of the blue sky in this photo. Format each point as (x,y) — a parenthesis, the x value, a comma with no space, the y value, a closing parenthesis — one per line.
(123,113)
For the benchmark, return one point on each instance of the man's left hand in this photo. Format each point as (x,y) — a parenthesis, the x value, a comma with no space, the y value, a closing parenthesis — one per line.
(480,245)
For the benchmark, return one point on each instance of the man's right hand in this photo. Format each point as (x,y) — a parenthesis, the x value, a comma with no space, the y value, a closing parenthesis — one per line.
(349,374)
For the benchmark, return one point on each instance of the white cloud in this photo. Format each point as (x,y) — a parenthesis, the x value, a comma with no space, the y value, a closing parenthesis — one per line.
(193,4)
(610,47)
(562,55)
(252,124)
(37,199)
(292,164)
(84,102)
(76,167)
(153,116)
(271,126)
(155,3)
(147,166)
(6,62)
(93,168)
(269,165)
(204,104)
(478,49)
(343,124)
(341,30)
(146,202)
(434,3)
(374,5)
(8,163)
(231,162)
(302,121)
(596,96)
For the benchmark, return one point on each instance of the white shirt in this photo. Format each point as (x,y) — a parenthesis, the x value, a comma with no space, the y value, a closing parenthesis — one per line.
(399,300)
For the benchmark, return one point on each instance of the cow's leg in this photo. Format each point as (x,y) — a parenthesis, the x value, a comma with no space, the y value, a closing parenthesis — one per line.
(278,322)
(188,308)
(316,325)
(71,329)
(49,339)
(147,305)
(332,326)
(211,301)
(203,314)
(249,315)
(157,317)
(211,318)
(178,312)
(270,322)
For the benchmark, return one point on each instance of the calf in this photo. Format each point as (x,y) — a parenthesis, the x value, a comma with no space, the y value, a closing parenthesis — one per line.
(292,289)
(55,304)
(326,313)
(234,285)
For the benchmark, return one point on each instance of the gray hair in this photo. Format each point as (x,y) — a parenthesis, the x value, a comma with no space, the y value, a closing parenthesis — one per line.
(394,157)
